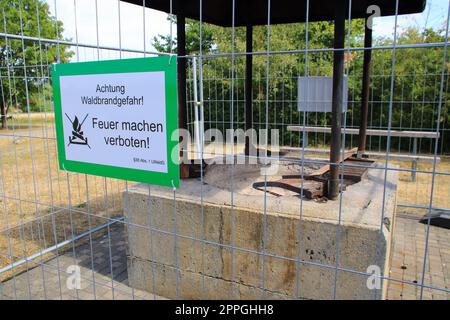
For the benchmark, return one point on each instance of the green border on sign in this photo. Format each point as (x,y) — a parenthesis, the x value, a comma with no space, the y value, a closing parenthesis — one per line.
(166,64)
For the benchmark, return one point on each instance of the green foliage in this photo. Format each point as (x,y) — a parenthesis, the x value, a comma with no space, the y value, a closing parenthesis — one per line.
(415,95)
(21,17)
(163,43)
(41,98)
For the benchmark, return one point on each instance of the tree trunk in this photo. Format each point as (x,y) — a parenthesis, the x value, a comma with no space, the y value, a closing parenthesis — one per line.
(3,114)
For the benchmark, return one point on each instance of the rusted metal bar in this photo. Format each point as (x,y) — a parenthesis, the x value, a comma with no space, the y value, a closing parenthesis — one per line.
(337,101)
(365,90)
(326,168)
(248,86)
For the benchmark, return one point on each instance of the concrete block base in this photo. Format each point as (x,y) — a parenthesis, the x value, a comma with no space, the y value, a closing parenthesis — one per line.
(211,244)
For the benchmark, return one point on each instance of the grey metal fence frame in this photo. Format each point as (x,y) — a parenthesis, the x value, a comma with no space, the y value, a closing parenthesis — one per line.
(50,199)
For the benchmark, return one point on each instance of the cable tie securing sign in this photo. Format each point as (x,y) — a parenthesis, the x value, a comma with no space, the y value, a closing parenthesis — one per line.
(173,186)
(170,59)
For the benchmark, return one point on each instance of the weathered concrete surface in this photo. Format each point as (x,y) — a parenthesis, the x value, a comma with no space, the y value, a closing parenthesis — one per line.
(204,247)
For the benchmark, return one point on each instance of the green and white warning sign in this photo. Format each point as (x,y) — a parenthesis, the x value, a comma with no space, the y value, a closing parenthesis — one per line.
(117,118)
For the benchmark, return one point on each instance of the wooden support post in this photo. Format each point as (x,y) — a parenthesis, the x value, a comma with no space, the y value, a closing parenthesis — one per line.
(337,100)
(248,86)
(365,90)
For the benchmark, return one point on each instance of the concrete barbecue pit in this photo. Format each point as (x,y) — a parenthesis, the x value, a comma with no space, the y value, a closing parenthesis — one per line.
(229,235)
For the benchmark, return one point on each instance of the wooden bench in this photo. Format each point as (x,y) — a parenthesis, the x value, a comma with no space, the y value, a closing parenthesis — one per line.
(415,135)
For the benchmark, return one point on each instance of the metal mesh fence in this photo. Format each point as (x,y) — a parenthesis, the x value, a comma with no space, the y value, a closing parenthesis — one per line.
(65,235)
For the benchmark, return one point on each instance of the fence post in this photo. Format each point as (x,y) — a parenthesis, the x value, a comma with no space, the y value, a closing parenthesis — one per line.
(365,90)
(414,162)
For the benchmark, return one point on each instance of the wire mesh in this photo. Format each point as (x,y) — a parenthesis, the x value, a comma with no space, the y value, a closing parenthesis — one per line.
(66,235)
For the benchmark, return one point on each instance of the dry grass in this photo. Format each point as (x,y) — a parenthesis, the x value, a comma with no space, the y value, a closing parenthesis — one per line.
(33,187)
(25,120)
